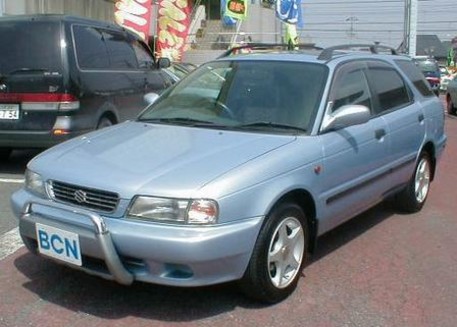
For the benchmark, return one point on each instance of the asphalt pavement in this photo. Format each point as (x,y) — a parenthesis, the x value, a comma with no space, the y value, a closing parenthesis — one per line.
(382,268)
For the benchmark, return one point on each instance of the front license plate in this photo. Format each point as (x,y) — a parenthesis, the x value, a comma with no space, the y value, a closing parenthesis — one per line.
(9,111)
(59,244)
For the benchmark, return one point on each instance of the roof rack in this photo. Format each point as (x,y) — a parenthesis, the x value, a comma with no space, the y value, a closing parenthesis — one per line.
(253,47)
(328,53)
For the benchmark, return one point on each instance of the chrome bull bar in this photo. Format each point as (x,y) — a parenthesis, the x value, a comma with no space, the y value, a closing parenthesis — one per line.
(102,234)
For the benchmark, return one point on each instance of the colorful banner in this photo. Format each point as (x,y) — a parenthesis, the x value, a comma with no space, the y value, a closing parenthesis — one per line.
(134,15)
(237,9)
(173,28)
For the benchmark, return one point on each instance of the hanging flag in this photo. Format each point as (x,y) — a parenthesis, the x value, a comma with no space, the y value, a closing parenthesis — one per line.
(237,9)
(134,15)
(289,11)
(173,23)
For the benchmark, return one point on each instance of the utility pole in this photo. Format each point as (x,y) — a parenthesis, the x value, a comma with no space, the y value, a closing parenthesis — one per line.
(352,20)
(410,27)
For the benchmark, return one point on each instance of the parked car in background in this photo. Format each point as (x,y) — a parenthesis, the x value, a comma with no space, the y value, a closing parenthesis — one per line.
(430,68)
(451,96)
(446,77)
(178,70)
(62,76)
(235,171)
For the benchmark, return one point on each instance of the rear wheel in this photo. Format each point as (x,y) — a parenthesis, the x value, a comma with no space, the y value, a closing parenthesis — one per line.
(278,256)
(413,197)
(451,109)
(104,122)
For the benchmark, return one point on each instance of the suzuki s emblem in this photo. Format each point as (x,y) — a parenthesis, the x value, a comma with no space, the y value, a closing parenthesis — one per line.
(80,196)
(2,87)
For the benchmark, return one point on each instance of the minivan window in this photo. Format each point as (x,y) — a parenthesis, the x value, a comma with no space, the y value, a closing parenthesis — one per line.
(91,51)
(121,53)
(30,45)
(388,85)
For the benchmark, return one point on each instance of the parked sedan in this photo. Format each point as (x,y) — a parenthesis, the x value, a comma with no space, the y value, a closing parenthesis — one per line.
(234,172)
(451,96)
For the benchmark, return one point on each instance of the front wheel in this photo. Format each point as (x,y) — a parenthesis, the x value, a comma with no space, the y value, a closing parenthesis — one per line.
(413,197)
(278,256)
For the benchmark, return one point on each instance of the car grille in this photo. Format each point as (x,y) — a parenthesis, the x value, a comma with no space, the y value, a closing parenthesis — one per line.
(84,196)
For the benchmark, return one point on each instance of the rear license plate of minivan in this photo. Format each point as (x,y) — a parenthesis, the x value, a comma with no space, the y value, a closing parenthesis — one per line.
(9,111)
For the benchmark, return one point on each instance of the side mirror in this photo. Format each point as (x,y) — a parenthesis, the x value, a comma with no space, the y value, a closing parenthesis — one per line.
(150,98)
(346,116)
(163,62)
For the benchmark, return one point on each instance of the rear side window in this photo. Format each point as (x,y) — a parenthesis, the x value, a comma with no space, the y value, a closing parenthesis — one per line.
(388,86)
(416,77)
(91,51)
(30,44)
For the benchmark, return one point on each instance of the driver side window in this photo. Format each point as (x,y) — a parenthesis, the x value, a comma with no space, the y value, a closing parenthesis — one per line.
(350,87)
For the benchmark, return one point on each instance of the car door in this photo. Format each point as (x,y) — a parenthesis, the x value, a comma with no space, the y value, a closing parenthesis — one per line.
(404,117)
(355,157)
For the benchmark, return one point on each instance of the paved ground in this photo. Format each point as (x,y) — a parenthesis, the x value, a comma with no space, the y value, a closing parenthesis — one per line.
(380,269)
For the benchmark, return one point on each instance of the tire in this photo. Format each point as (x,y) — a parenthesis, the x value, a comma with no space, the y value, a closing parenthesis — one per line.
(450,108)
(5,153)
(413,197)
(104,122)
(278,256)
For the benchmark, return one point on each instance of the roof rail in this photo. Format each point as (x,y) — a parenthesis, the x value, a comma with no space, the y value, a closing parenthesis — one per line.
(328,53)
(252,47)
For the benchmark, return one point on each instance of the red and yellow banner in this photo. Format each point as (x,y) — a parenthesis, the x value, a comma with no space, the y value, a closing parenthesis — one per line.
(134,15)
(172,28)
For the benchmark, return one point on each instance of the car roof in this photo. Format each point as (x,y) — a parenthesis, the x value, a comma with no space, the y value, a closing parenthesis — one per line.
(59,18)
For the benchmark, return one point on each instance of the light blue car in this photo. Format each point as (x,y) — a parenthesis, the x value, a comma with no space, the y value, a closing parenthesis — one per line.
(234,172)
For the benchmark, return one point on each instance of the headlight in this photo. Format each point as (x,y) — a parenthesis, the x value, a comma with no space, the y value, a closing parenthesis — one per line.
(34,182)
(198,212)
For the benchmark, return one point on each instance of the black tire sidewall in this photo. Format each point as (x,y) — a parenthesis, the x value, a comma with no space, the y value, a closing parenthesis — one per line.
(407,200)
(256,282)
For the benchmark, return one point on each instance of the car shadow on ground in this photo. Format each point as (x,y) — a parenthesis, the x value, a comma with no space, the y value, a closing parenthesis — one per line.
(80,292)
(17,162)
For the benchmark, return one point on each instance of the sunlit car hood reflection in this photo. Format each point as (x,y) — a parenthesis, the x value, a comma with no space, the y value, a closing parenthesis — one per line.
(135,158)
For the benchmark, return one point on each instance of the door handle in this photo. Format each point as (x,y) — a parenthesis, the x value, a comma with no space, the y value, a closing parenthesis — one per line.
(380,133)
(421,118)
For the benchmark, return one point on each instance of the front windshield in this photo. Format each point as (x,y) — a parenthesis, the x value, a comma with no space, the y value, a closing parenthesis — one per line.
(250,95)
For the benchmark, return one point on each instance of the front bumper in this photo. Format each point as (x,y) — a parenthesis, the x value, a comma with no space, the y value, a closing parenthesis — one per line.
(124,250)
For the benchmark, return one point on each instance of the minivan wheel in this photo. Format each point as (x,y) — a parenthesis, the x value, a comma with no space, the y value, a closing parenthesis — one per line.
(451,109)
(413,197)
(278,256)
(104,122)
(5,153)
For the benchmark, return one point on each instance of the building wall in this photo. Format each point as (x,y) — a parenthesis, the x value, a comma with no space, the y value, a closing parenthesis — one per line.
(97,9)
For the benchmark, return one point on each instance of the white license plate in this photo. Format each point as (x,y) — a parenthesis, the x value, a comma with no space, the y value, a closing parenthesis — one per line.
(59,244)
(9,111)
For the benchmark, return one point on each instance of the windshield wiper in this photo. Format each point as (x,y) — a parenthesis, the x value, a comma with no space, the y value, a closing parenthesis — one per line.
(267,125)
(177,120)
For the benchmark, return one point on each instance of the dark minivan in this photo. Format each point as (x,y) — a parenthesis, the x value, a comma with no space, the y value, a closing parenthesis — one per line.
(62,76)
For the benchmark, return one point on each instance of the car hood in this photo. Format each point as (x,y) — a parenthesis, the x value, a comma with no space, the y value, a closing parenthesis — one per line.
(137,158)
